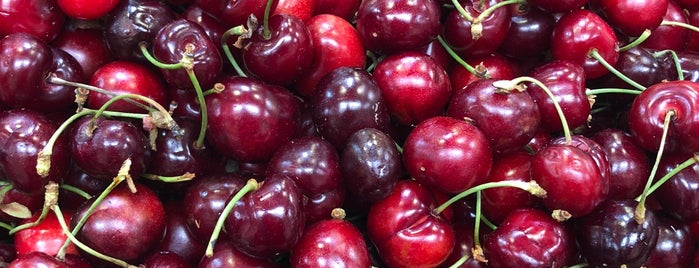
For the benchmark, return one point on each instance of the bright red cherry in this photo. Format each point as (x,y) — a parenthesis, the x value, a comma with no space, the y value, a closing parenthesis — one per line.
(46,237)
(87,9)
(121,77)
(328,243)
(41,18)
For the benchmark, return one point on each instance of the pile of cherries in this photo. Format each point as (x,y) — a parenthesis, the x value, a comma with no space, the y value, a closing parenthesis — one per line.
(349,133)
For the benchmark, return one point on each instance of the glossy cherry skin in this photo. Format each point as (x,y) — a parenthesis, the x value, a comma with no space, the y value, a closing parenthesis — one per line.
(282,57)
(87,9)
(125,225)
(226,255)
(595,151)
(40,259)
(675,245)
(26,63)
(405,230)
(204,201)
(234,12)
(46,237)
(529,34)
(250,119)
(556,6)
(269,221)
(40,18)
(171,43)
(648,111)
(165,259)
(345,9)
(611,237)
(458,31)
(347,100)
(371,165)
(391,26)
(560,168)
(302,9)
(125,77)
(328,243)
(669,37)
(336,43)
(529,238)
(629,165)
(413,86)
(566,81)
(463,232)
(24,133)
(578,32)
(102,153)
(631,17)
(508,120)
(641,66)
(132,22)
(87,46)
(447,154)
(678,196)
(178,238)
(494,66)
(692,37)
(313,164)
(499,202)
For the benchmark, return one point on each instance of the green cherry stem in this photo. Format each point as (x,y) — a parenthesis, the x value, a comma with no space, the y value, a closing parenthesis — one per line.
(680,24)
(56,80)
(477,224)
(637,41)
(640,212)
(461,10)
(169,179)
(492,9)
(687,163)
(71,237)
(266,34)
(75,190)
(599,91)
(199,143)
(458,59)
(156,62)
(6,226)
(675,59)
(595,55)
(237,31)
(530,186)
(514,84)
(50,199)
(250,186)
(460,261)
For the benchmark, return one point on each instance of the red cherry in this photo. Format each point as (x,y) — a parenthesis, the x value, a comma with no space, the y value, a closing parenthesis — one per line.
(87,9)
(499,202)
(458,31)
(329,242)
(558,6)
(302,9)
(666,36)
(345,9)
(121,77)
(46,237)
(87,46)
(40,18)
(631,17)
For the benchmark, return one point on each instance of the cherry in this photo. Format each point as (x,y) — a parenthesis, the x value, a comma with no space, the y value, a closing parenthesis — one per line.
(165,259)
(100,147)
(595,151)
(250,119)
(87,46)
(371,165)
(302,9)
(345,9)
(610,235)
(177,237)
(649,109)
(391,26)
(336,44)
(125,224)
(529,34)
(669,37)
(132,22)
(76,177)
(226,255)
(405,231)
(41,18)
(675,246)
(268,222)
(204,201)
(280,53)
(508,120)
(438,53)
(125,77)
(85,9)
(631,17)
(347,100)
(234,12)
(24,133)
(641,66)
(678,195)
(577,33)
(493,66)
(499,202)
(31,201)
(566,81)
(413,86)
(212,26)
(330,242)
(447,154)
(40,259)
(529,238)
(47,236)
(473,41)
(558,6)
(629,165)
(183,36)
(463,232)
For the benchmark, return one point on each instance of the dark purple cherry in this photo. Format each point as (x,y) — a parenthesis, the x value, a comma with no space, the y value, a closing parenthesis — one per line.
(529,34)
(204,201)
(212,26)
(178,238)
(371,165)
(566,80)
(132,22)
(268,222)
(24,133)
(41,18)
(183,36)
(165,259)
(87,46)
(558,6)
(641,66)
(529,238)
(250,119)
(508,119)
(391,26)
(463,234)
(679,196)
(41,259)
(611,237)
(675,246)
(226,255)
(345,101)
(235,12)
(459,32)
(76,177)
(125,225)
(628,163)
(282,55)
(101,151)
(32,201)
